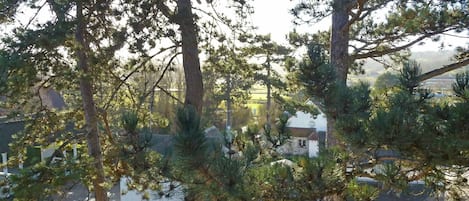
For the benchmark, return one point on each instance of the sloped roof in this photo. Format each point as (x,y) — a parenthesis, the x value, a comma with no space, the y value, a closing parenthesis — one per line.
(306,120)
(164,143)
(301,132)
(416,191)
(8,129)
(51,98)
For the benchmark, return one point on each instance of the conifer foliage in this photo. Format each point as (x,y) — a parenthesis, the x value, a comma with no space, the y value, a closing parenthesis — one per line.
(199,163)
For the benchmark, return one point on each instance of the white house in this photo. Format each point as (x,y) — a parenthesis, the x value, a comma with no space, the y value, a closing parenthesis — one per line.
(306,131)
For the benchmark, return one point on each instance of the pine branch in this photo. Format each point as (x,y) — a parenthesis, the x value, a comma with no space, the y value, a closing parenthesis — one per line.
(390,50)
(443,70)
(169,94)
(166,11)
(156,85)
(395,49)
(35,15)
(135,70)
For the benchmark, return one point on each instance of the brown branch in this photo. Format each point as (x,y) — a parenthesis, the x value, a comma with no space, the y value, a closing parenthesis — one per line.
(106,106)
(390,50)
(169,94)
(443,70)
(363,11)
(356,16)
(108,103)
(376,42)
(35,15)
(166,11)
(382,62)
(107,128)
(399,48)
(166,68)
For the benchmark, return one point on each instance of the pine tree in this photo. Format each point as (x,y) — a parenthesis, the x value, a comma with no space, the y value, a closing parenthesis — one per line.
(407,24)
(200,165)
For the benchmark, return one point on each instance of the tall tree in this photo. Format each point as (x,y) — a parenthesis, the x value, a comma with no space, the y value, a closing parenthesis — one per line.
(395,128)
(274,57)
(72,50)
(190,54)
(234,78)
(89,107)
(184,16)
(405,24)
(413,129)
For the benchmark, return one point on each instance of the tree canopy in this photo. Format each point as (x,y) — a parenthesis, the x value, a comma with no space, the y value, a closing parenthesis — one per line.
(117,65)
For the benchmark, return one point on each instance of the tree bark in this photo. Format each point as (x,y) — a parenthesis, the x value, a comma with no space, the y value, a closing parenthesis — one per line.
(228,102)
(269,93)
(89,107)
(190,55)
(339,59)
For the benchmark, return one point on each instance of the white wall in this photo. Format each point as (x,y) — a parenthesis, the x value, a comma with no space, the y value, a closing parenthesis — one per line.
(313,148)
(128,195)
(320,123)
(47,152)
(293,147)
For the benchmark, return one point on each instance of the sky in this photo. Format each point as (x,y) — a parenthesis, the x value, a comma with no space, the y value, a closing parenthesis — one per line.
(276,19)
(272,16)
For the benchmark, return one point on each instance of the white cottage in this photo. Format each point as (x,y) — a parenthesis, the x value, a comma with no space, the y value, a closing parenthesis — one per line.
(306,131)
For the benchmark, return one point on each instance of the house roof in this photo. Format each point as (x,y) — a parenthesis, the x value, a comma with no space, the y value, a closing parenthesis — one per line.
(313,136)
(7,130)
(51,98)
(164,143)
(306,120)
(416,191)
(302,132)
(10,128)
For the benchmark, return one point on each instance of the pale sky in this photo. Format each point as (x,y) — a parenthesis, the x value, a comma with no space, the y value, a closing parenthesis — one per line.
(272,16)
(276,19)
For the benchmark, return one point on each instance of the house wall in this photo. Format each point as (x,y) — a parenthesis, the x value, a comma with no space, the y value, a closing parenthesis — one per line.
(313,148)
(47,152)
(298,124)
(176,194)
(293,147)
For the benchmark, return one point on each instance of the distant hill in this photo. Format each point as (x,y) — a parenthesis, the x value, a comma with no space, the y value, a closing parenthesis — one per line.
(428,60)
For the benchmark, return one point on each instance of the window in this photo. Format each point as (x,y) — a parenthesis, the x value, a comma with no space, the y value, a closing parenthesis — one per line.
(301,143)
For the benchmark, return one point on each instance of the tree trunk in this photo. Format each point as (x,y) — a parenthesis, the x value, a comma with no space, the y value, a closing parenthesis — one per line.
(340,61)
(89,107)
(331,140)
(228,103)
(190,55)
(269,92)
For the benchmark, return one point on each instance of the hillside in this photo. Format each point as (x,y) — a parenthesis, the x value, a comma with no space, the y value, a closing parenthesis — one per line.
(428,60)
